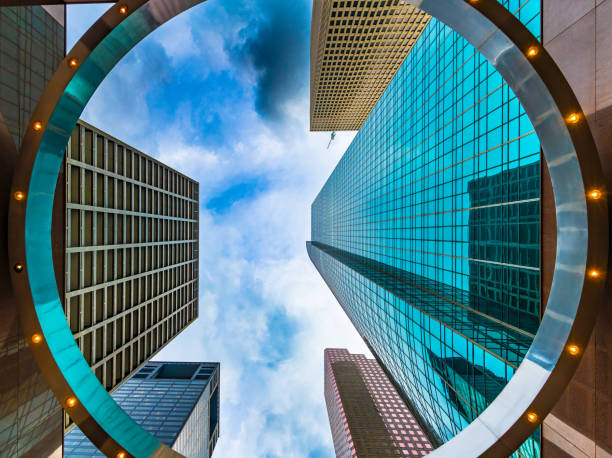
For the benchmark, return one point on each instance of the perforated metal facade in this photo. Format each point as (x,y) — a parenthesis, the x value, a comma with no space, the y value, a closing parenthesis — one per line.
(131,253)
(356,47)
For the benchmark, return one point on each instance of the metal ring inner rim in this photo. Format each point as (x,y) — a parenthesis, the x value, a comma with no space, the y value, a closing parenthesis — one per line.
(551,380)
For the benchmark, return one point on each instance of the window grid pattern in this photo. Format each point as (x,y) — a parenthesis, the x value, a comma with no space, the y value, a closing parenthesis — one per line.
(352,384)
(131,253)
(427,231)
(174,409)
(31,48)
(356,48)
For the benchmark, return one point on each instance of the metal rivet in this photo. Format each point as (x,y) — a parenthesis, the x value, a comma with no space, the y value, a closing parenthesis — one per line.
(18,267)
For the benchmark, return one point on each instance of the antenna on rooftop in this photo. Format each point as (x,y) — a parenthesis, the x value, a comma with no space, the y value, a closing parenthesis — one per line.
(333,135)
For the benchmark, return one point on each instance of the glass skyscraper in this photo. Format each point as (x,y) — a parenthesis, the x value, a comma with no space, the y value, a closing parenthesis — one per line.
(176,402)
(427,231)
(31,48)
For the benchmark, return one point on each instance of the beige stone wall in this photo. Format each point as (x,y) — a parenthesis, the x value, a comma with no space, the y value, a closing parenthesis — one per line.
(578,34)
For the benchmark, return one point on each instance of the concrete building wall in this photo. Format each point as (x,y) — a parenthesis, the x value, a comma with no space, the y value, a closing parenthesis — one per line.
(131,257)
(578,34)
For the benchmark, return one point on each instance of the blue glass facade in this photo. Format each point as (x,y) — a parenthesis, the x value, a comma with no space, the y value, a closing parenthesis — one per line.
(428,230)
(176,402)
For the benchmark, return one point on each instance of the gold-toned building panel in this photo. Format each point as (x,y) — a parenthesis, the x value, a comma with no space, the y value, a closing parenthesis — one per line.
(356,47)
(131,257)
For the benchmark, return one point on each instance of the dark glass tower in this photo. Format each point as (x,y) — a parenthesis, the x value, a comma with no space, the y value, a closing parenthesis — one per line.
(31,48)
(177,402)
(427,231)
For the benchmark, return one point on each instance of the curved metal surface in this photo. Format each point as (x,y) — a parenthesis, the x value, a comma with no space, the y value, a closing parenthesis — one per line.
(42,152)
(582,224)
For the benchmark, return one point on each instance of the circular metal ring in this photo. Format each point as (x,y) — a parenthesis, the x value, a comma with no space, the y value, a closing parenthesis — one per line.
(42,316)
(569,149)
(582,225)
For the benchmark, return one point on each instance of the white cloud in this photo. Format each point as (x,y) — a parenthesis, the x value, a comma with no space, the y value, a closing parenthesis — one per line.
(256,252)
(265,313)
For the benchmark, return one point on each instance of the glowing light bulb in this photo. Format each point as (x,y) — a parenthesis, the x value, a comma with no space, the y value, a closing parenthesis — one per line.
(74,62)
(18,267)
(594,273)
(18,195)
(121,455)
(532,417)
(533,51)
(38,125)
(36,338)
(123,9)
(573,349)
(573,118)
(595,194)
(71,401)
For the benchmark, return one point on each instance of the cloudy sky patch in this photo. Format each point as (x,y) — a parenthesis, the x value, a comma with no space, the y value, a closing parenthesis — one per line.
(221,94)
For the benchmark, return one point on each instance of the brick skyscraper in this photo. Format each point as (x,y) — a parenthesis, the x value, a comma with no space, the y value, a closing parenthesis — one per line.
(366,414)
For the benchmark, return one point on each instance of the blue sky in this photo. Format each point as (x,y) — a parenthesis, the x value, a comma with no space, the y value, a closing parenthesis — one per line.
(221,94)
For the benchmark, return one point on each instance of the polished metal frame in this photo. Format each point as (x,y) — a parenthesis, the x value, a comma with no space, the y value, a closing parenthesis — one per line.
(30,256)
(575,170)
(582,225)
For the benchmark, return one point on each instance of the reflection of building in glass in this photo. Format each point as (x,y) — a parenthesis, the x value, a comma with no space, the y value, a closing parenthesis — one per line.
(352,59)
(471,388)
(512,232)
(176,402)
(427,230)
(31,47)
(366,414)
(131,253)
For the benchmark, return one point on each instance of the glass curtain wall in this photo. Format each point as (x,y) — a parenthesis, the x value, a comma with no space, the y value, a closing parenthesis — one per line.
(428,230)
